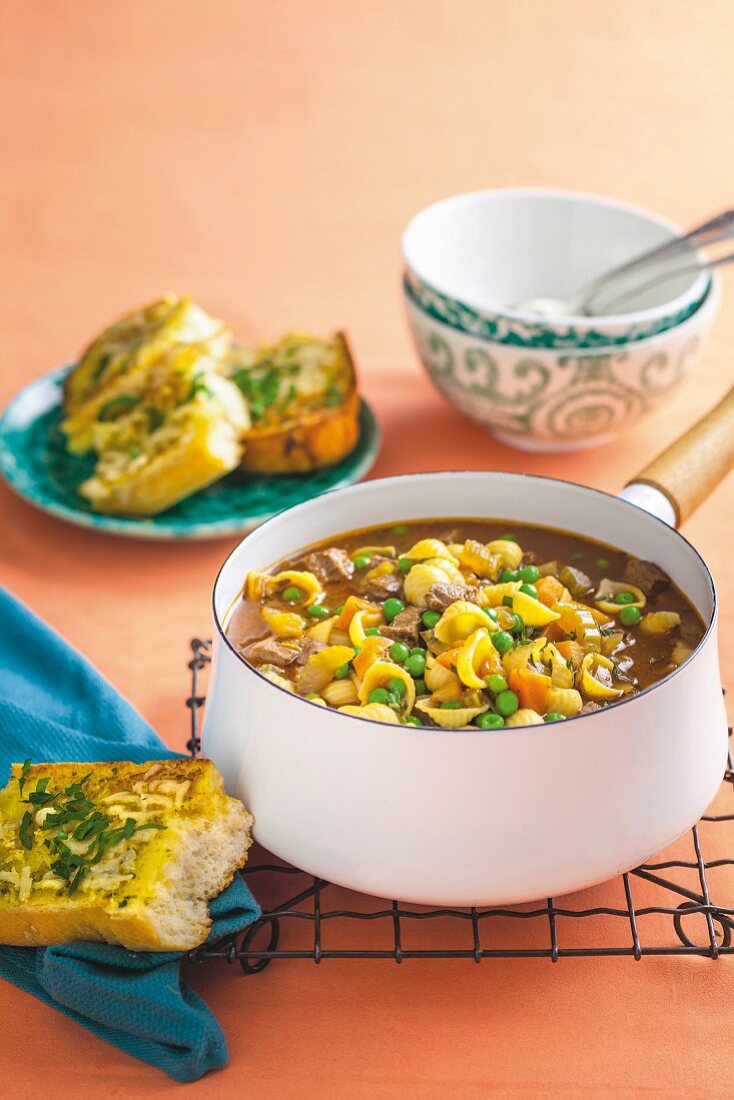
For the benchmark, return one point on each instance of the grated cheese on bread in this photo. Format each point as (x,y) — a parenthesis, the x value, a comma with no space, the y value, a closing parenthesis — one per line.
(121,853)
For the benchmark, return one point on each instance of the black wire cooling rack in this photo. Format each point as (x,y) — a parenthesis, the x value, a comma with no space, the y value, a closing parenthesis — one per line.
(305,922)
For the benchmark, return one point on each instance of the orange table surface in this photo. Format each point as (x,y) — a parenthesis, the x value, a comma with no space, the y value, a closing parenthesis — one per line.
(264,157)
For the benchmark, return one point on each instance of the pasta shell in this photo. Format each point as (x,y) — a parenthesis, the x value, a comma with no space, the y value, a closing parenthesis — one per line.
(275,675)
(341,693)
(308,583)
(524,717)
(566,701)
(438,676)
(532,611)
(477,557)
(477,660)
(378,712)
(352,605)
(608,589)
(561,675)
(459,620)
(452,719)
(256,586)
(424,575)
(379,674)
(492,595)
(430,548)
(509,553)
(592,687)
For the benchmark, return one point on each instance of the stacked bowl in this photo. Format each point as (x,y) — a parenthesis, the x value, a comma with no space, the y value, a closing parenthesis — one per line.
(542,384)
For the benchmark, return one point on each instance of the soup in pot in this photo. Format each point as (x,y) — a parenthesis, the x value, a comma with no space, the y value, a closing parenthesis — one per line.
(463,622)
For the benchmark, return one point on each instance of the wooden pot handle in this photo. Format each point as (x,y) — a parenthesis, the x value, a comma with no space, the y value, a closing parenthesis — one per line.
(695,464)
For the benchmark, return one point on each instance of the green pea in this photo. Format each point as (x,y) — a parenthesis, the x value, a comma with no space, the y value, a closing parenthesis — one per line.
(372,632)
(318,611)
(417,650)
(401,529)
(507,538)
(405,565)
(502,641)
(416,664)
(362,561)
(420,687)
(391,608)
(507,703)
(342,672)
(529,573)
(630,615)
(312,695)
(496,684)
(517,625)
(379,695)
(624,597)
(291,594)
(601,563)
(529,590)
(507,601)
(554,716)
(451,705)
(399,652)
(411,720)
(430,618)
(338,610)
(397,687)
(506,576)
(489,721)
(578,556)
(490,613)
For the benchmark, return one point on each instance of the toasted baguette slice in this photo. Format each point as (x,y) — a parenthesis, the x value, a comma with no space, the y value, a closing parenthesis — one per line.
(155,842)
(302,393)
(110,365)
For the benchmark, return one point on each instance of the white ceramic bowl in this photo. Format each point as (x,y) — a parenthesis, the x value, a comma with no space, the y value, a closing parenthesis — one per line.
(472,258)
(468,816)
(541,399)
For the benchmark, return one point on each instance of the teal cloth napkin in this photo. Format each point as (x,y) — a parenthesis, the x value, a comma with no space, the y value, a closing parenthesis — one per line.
(55,706)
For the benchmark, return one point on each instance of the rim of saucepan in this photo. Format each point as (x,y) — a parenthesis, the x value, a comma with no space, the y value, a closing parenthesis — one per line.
(514,730)
(502,309)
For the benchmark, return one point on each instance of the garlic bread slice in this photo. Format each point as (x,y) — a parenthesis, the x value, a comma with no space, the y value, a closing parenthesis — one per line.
(121,853)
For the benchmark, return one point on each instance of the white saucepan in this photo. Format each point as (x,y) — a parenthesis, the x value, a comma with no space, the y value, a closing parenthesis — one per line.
(463,817)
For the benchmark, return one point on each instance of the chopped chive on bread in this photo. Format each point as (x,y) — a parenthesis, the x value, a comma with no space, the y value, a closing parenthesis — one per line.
(304,406)
(149,398)
(121,853)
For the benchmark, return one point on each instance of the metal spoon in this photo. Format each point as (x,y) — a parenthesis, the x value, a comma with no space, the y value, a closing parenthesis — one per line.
(638,275)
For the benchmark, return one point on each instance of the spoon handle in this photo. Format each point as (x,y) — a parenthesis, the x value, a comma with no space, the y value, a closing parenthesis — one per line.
(688,470)
(664,276)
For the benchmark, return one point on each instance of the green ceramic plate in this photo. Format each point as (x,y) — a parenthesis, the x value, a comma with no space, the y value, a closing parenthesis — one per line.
(34,462)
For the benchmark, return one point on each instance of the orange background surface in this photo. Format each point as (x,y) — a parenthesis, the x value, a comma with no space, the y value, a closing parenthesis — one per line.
(265,157)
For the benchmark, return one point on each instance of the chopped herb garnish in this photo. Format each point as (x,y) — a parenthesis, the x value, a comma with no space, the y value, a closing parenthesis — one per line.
(117,406)
(25,771)
(198,385)
(72,807)
(259,386)
(333,396)
(155,419)
(134,450)
(102,365)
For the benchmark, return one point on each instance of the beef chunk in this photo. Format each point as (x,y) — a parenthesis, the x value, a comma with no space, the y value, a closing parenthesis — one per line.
(405,627)
(308,647)
(382,587)
(647,576)
(589,708)
(271,651)
(440,595)
(330,566)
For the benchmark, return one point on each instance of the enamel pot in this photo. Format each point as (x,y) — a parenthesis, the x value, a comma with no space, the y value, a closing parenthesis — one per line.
(465,817)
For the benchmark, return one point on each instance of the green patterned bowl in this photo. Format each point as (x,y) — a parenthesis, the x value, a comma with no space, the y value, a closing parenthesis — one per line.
(34,462)
(541,399)
(471,258)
